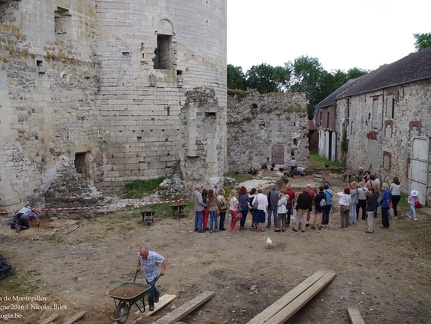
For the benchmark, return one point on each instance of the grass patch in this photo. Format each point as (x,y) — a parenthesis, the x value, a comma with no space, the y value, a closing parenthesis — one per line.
(139,188)
(403,201)
(318,162)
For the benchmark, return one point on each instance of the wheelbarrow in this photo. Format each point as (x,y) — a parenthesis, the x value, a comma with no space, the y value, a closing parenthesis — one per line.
(128,294)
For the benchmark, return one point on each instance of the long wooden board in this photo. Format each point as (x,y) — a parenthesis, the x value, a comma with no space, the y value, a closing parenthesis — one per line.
(355,316)
(185,309)
(290,303)
(163,301)
(288,311)
(286,299)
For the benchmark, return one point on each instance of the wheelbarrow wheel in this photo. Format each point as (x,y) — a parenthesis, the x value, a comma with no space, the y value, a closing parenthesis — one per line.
(121,312)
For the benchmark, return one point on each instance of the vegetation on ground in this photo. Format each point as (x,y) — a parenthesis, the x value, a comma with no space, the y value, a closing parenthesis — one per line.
(318,162)
(139,188)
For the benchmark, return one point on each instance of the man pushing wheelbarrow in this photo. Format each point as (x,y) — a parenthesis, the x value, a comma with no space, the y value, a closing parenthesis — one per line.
(150,262)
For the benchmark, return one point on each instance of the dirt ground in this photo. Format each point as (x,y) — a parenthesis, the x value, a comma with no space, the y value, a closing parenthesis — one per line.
(386,275)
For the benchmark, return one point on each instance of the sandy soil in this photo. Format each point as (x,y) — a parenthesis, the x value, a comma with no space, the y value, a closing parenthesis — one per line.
(386,274)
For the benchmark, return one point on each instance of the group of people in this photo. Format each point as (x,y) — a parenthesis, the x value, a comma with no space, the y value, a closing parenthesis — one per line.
(367,194)
(276,208)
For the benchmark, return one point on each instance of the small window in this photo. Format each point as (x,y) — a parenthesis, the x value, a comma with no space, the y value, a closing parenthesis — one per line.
(210,115)
(62,19)
(163,56)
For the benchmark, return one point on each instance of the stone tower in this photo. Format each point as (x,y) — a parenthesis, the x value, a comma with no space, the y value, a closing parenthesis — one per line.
(153,55)
(109,91)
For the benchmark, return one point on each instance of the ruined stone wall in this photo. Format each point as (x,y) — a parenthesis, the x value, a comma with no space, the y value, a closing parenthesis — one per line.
(273,126)
(152,57)
(381,127)
(48,84)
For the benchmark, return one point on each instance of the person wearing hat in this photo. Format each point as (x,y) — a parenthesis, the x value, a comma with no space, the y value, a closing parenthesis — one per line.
(412,200)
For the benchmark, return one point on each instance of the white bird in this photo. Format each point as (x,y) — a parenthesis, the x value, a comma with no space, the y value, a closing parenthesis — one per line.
(268,242)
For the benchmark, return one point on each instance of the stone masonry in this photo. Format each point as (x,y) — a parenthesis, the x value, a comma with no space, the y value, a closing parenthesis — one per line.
(271,127)
(109,88)
(385,123)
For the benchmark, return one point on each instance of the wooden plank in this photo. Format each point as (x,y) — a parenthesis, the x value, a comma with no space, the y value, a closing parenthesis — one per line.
(75,317)
(355,316)
(163,301)
(286,299)
(290,309)
(49,319)
(185,309)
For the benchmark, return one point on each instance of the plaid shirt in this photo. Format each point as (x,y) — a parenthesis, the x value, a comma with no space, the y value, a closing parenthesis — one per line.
(150,265)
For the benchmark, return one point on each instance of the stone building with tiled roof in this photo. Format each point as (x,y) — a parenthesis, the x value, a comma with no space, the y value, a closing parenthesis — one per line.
(382,122)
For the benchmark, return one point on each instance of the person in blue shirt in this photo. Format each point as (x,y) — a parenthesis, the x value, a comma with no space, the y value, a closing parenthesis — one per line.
(386,203)
(151,263)
(328,206)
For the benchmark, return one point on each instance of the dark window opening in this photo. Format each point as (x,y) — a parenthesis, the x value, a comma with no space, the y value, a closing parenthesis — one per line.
(179,72)
(210,115)
(62,22)
(81,163)
(393,108)
(162,59)
(39,63)
(295,141)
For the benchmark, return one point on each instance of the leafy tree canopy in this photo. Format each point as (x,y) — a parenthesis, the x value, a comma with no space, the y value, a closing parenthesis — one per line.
(266,78)
(235,78)
(422,41)
(304,74)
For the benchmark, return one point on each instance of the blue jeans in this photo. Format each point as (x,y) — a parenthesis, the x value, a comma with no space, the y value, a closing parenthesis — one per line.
(213,219)
(412,210)
(199,216)
(274,213)
(154,293)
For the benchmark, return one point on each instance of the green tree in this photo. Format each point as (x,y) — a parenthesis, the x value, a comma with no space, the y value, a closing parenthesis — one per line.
(235,78)
(308,76)
(266,78)
(422,41)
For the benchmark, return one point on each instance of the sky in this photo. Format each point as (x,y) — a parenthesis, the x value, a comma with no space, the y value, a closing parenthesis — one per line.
(341,34)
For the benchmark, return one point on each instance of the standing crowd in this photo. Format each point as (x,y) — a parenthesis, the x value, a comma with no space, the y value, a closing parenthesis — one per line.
(308,208)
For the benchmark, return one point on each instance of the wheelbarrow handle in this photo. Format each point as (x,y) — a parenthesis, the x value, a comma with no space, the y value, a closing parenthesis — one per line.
(136,275)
